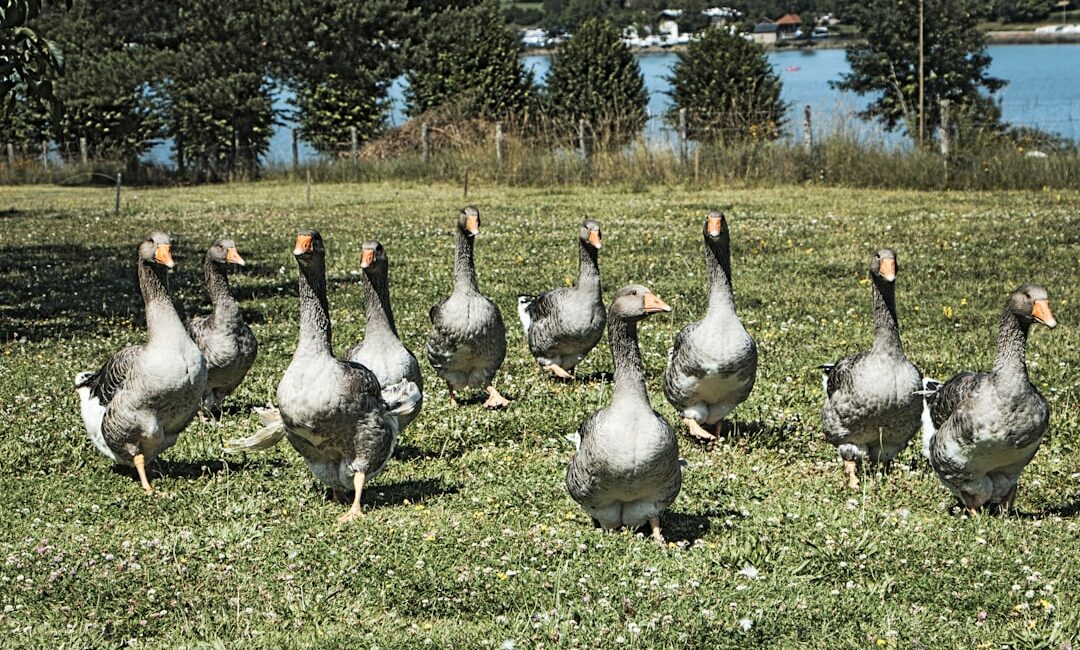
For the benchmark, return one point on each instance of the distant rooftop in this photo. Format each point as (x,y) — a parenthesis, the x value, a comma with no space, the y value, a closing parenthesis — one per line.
(789,19)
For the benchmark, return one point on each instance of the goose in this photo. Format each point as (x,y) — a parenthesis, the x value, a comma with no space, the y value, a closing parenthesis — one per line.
(713,364)
(467,343)
(988,426)
(626,469)
(135,406)
(224,338)
(381,351)
(563,325)
(333,412)
(872,406)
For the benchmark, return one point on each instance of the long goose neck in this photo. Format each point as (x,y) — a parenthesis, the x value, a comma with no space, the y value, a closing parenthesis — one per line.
(464,268)
(162,321)
(718,263)
(629,368)
(588,268)
(380,318)
(315,333)
(886,326)
(217,283)
(1011,360)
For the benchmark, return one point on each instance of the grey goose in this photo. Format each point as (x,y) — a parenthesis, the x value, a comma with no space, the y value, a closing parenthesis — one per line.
(626,470)
(987,426)
(135,406)
(872,406)
(562,325)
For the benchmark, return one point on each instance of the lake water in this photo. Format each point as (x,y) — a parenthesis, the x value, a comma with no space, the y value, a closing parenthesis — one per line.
(1043,91)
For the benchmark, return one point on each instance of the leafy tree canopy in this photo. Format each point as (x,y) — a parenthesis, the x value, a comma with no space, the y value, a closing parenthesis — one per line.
(888,62)
(29,63)
(728,88)
(468,58)
(595,76)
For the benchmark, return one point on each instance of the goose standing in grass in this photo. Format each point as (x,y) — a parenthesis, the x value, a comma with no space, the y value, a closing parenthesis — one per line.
(626,471)
(381,351)
(872,406)
(333,412)
(224,338)
(563,325)
(989,425)
(713,364)
(467,343)
(137,404)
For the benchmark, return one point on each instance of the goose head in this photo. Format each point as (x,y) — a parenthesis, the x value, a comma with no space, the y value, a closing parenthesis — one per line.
(157,249)
(223,253)
(883,265)
(309,246)
(715,228)
(469,221)
(635,302)
(590,234)
(1030,303)
(372,257)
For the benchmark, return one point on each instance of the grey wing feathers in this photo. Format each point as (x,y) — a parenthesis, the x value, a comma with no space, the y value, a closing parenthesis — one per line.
(840,374)
(433,313)
(541,306)
(943,403)
(106,382)
(197,328)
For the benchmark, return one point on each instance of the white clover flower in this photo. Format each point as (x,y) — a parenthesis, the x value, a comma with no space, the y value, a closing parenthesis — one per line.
(745,624)
(750,571)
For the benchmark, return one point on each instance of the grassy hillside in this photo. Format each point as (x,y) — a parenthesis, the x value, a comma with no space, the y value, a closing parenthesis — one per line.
(470,539)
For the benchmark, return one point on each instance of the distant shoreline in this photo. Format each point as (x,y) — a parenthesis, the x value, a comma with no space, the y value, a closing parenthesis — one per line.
(1024,37)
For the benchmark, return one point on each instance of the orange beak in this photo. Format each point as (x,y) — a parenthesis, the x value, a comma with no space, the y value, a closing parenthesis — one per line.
(367,258)
(888,269)
(1042,313)
(472,224)
(653,304)
(163,255)
(594,238)
(715,226)
(303,245)
(232,256)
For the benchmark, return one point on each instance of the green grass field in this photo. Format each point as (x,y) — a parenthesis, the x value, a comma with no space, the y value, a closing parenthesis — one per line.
(470,539)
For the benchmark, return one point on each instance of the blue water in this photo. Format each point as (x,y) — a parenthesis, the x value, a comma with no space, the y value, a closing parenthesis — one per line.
(1043,91)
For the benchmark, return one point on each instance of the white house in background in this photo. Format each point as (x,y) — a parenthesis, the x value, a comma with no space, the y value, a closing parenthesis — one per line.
(534,38)
(722,14)
(669,29)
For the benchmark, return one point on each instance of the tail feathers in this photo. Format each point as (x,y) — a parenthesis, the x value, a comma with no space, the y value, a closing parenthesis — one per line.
(825,370)
(402,398)
(929,393)
(524,302)
(272,431)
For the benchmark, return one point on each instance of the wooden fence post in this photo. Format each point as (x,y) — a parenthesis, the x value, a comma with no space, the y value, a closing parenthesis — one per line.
(465,187)
(354,145)
(425,142)
(116,208)
(807,131)
(582,148)
(11,153)
(295,151)
(84,155)
(682,137)
(309,188)
(697,165)
(499,142)
(946,133)
(45,153)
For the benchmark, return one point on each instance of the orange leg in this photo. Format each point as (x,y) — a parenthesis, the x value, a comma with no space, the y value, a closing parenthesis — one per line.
(355,511)
(495,400)
(140,466)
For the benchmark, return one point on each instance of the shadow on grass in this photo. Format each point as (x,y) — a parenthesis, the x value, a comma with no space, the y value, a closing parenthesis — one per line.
(685,526)
(406,453)
(415,491)
(760,434)
(190,469)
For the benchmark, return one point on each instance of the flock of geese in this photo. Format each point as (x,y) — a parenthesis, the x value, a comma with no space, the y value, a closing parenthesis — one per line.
(344,414)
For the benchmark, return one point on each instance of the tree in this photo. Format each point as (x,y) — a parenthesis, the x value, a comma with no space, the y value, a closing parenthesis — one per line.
(216,86)
(728,88)
(342,58)
(29,63)
(595,76)
(1022,11)
(468,59)
(105,92)
(887,64)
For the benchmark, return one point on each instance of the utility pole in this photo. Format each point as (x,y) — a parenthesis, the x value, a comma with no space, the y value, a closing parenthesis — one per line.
(922,77)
